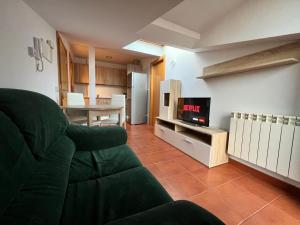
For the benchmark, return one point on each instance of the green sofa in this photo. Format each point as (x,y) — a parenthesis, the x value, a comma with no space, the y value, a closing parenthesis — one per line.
(53,173)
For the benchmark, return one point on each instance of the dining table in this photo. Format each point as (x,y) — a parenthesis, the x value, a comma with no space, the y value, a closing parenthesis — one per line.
(93,111)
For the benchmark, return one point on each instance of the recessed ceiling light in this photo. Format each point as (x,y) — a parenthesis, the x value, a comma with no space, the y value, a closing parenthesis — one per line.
(108,57)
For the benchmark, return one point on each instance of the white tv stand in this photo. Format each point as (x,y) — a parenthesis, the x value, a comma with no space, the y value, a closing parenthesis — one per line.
(206,145)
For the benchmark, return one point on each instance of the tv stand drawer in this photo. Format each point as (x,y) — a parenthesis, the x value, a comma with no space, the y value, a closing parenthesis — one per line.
(194,148)
(164,133)
(206,145)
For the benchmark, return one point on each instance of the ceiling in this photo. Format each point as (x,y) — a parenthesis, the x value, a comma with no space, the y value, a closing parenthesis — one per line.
(101,23)
(201,13)
(183,25)
(109,25)
(119,56)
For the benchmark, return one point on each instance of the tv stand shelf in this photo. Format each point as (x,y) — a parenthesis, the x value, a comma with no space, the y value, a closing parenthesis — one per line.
(207,145)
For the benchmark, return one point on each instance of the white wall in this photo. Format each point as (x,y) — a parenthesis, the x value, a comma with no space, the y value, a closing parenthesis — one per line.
(18,25)
(253,20)
(275,90)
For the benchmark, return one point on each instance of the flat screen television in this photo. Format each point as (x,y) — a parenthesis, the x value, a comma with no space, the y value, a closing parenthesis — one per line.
(194,110)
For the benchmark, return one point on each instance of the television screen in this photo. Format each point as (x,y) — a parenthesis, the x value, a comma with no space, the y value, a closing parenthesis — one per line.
(194,110)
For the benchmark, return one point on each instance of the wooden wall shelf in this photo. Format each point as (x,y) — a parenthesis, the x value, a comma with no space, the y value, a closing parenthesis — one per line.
(279,56)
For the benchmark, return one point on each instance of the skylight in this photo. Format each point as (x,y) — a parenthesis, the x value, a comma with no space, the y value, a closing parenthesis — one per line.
(145,47)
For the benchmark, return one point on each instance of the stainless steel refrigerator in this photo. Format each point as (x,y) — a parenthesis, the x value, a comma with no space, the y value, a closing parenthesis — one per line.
(136,108)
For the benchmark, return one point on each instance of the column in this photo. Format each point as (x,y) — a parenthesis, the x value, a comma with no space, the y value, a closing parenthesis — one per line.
(92,76)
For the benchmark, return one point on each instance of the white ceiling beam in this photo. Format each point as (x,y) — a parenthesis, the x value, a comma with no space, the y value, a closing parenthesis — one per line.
(160,22)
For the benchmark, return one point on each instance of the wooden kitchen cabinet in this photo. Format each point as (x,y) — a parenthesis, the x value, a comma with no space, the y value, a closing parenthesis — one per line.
(81,73)
(110,76)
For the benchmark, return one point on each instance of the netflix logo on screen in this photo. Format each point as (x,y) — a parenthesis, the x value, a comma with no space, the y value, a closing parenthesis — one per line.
(192,108)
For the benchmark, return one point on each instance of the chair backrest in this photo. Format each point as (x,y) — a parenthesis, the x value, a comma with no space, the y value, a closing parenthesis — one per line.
(119,100)
(75,99)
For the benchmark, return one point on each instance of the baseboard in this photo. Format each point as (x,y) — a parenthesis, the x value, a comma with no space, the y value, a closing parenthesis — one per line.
(267,172)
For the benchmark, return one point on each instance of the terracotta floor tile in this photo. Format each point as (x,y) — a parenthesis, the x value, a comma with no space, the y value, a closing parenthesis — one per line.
(150,149)
(166,169)
(175,193)
(170,168)
(241,167)
(242,200)
(150,158)
(155,171)
(290,204)
(233,192)
(258,187)
(271,215)
(230,202)
(189,163)
(218,206)
(218,175)
(156,157)
(186,185)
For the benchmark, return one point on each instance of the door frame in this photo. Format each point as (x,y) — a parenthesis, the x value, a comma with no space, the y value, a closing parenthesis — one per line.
(60,44)
(151,106)
(58,67)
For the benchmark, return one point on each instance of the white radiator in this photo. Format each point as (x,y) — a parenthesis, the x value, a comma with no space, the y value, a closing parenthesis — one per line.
(269,141)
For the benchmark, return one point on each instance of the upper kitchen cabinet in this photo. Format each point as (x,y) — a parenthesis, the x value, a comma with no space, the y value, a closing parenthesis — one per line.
(81,73)
(110,76)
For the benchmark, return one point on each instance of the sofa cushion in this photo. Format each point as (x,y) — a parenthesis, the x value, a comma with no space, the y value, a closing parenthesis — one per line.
(176,213)
(88,165)
(38,117)
(112,197)
(96,138)
(40,200)
(16,161)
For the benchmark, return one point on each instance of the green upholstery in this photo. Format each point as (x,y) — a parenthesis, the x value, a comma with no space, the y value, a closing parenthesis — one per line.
(178,212)
(88,165)
(41,199)
(39,119)
(54,173)
(16,161)
(93,138)
(112,197)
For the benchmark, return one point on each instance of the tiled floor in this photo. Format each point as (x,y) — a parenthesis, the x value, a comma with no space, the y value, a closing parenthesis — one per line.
(233,192)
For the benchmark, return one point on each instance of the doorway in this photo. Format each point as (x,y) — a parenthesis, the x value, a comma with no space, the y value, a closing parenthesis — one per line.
(157,74)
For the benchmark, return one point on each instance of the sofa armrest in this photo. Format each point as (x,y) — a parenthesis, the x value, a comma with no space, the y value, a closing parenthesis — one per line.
(179,212)
(96,138)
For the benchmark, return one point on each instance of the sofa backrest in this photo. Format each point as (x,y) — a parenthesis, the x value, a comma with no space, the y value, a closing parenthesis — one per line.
(35,157)
(16,161)
(39,119)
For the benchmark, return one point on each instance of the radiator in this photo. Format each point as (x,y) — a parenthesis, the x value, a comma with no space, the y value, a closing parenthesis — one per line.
(268,141)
